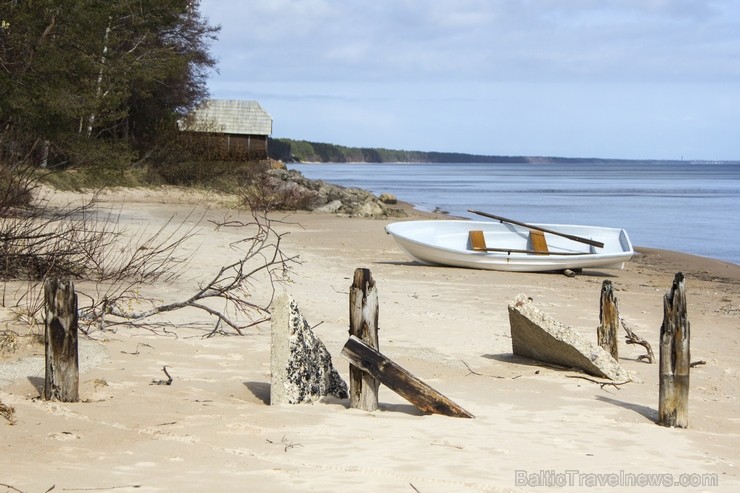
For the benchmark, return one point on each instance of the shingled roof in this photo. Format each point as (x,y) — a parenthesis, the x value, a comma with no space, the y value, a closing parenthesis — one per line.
(230,116)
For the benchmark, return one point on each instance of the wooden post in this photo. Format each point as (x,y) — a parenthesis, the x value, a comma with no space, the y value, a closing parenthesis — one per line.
(606,334)
(675,358)
(400,381)
(363,324)
(62,369)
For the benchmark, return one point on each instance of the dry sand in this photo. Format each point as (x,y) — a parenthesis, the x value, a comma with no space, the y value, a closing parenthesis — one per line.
(213,430)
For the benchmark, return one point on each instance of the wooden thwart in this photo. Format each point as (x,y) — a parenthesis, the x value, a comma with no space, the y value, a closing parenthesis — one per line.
(399,380)
(478,244)
(539,244)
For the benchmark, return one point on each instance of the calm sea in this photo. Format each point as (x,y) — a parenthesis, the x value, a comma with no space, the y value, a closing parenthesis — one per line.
(691,208)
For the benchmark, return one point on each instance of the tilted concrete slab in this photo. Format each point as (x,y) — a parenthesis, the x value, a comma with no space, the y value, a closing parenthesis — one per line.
(538,336)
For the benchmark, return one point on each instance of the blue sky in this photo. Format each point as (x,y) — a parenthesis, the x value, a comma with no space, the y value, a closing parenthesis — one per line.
(652,79)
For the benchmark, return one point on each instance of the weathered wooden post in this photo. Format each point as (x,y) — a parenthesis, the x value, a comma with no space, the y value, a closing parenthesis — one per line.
(363,324)
(675,358)
(606,334)
(62,368)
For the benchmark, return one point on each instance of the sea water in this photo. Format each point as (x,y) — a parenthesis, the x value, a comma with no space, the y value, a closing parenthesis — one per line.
(685,207)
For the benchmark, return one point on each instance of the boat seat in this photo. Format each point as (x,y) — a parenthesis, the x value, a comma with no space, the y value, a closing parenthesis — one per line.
(477,240)
(539,244)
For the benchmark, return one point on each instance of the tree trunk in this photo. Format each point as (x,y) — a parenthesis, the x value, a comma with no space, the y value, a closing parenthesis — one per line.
(363,324)
(401,381)
(675,358)
(608,320)
(62,370)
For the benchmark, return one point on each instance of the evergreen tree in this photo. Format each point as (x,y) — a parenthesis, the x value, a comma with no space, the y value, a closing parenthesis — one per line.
(94,80)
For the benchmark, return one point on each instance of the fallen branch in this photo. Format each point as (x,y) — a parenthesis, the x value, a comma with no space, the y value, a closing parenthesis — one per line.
(697,363)
(261,256)
(632,338)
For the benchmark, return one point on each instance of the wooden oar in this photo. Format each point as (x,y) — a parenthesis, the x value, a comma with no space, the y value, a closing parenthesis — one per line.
(530,226)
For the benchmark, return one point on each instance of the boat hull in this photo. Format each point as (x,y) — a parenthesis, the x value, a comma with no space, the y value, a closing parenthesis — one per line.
(446,243)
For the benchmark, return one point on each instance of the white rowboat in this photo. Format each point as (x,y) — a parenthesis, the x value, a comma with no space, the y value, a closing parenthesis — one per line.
(512,247)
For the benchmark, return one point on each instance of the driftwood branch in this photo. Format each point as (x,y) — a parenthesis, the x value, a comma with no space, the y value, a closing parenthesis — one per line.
(632,338)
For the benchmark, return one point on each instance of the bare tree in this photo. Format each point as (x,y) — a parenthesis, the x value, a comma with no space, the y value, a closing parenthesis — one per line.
(260,255)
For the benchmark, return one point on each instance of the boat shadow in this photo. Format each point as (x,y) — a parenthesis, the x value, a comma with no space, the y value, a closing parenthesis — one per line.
(411,263)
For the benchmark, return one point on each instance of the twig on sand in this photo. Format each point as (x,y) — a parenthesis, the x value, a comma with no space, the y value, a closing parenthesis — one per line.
(163,382)
(102,488)
(137,349)
(8,413)
(602,384)
(473,372)
(285,443)
(697,363)
(414,488)
(11,487)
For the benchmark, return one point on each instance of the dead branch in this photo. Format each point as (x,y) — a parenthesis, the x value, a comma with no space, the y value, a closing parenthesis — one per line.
(632,338)
(261,256)
(697,363)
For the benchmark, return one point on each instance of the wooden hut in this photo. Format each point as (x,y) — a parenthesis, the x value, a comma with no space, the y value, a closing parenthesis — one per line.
(233,129)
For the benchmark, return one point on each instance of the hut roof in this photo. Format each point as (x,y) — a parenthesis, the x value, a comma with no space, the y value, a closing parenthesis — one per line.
(230,116)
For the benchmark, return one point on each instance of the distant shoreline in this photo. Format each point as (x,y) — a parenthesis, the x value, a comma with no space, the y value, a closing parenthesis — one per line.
(306,152)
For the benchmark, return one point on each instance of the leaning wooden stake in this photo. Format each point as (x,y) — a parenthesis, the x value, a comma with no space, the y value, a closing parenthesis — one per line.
(62,378)
(363,324)
(606,334)
(400,381)
(675,358)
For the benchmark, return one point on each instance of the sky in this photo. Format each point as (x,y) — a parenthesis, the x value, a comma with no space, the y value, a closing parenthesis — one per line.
(631,79)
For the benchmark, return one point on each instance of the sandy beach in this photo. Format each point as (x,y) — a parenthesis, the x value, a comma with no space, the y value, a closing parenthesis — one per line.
(535,426)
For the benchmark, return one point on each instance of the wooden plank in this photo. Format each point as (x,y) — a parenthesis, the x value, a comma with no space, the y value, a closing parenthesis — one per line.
(400,381)
(363,324)
(675,358)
